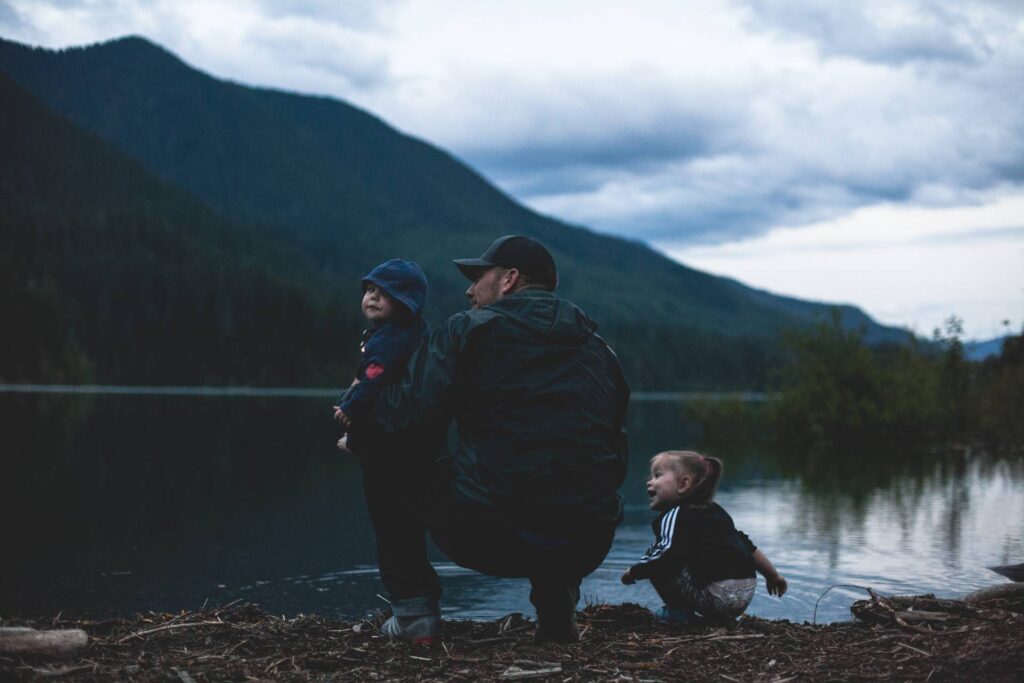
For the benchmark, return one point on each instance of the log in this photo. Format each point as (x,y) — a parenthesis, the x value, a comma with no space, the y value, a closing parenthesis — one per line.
(1014,572)
(28,641)
(921,615)
(1006,591)
(514,673)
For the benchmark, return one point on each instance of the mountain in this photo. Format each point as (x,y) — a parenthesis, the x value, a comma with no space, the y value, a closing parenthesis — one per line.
(981,349)
(111,274)
(308,193)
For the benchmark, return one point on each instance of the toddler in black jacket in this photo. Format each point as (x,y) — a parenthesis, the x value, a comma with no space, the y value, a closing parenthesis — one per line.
(700,564)
(394,294)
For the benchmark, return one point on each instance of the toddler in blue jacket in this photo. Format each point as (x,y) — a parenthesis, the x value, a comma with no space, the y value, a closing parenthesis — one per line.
(394,294)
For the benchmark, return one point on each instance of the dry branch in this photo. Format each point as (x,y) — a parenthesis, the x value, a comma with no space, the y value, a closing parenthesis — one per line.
(168,627)
(54,643)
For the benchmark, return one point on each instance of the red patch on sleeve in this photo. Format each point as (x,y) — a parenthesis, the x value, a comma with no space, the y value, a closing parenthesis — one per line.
(373,371)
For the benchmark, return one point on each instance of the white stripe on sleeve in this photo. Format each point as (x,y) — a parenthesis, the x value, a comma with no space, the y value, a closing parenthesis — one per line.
(668,527)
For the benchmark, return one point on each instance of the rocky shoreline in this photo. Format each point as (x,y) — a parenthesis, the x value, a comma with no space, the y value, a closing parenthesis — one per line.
(902,638)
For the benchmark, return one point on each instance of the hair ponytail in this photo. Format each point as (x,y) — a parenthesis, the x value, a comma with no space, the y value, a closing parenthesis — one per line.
(706,472)
(703,493)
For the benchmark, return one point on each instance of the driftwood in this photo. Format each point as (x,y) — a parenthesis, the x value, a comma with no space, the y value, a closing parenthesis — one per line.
(923,616)
(28,641)
(907,609)
(1014,572)
(1007,591)
(517,673)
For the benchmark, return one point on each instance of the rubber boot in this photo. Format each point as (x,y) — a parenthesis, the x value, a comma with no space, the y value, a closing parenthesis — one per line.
(417,620)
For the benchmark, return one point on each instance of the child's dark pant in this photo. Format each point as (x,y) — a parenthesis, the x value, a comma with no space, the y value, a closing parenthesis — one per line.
(408,499)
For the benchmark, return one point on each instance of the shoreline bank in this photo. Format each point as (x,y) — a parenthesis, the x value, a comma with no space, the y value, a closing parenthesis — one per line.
(906,638)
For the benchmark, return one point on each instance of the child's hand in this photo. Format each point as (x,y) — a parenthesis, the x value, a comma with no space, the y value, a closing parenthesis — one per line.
(627,578)
(341,417)
(343,444)
(776,584)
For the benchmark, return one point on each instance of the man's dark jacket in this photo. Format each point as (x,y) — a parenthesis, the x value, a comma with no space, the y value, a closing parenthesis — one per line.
(540,404)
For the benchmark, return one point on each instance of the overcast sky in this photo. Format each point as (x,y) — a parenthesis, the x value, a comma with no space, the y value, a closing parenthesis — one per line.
(868,153)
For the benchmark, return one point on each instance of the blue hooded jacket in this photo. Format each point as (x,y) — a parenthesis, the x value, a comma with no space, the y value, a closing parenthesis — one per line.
(403,281)
(387,347)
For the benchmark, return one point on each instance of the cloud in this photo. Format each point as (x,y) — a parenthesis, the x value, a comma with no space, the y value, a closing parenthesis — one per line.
(318,53)
(906,266)
(709,125)
(310,46)
(658,120)
(815,145)
(10,20)
(886,32)
(356,14)
(552,136)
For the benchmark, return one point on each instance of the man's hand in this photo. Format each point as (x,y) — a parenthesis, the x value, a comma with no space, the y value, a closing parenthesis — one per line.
(343,444)
(776,584)
(341,417)
(627,578)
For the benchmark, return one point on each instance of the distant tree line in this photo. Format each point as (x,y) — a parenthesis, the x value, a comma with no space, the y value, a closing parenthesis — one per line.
(835,393)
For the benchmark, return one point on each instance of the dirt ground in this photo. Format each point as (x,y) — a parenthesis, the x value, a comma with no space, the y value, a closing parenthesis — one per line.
(905,639)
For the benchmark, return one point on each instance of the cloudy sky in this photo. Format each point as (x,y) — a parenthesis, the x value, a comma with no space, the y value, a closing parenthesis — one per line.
(869,152)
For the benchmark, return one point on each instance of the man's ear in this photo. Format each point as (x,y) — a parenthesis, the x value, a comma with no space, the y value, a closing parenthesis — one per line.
(509,280)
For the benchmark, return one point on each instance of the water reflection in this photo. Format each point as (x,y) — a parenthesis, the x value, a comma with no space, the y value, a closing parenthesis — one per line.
(123,504)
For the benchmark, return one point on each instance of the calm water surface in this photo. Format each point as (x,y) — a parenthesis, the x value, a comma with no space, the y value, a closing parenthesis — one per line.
(117,504)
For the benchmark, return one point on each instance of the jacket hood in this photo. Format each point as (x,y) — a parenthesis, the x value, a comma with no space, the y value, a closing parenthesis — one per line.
(403,281)
(558,320)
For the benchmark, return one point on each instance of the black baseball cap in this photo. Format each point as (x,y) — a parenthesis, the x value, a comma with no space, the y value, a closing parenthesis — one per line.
(525,254)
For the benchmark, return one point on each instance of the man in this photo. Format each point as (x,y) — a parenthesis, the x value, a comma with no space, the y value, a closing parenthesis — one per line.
(539,401)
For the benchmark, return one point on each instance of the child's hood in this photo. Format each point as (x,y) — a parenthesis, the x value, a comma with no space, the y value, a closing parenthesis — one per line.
(403,281)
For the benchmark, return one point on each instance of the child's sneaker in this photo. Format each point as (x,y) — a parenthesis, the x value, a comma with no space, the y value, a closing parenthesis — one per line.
(677,616)
(417,620)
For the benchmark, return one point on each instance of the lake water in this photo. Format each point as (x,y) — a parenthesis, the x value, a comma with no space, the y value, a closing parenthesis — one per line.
(119,504)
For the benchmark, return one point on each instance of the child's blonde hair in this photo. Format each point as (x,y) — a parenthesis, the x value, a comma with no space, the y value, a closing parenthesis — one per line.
(705,470)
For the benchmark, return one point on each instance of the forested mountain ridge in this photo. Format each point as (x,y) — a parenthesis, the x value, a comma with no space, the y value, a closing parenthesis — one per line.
(112,275)
(310,192)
